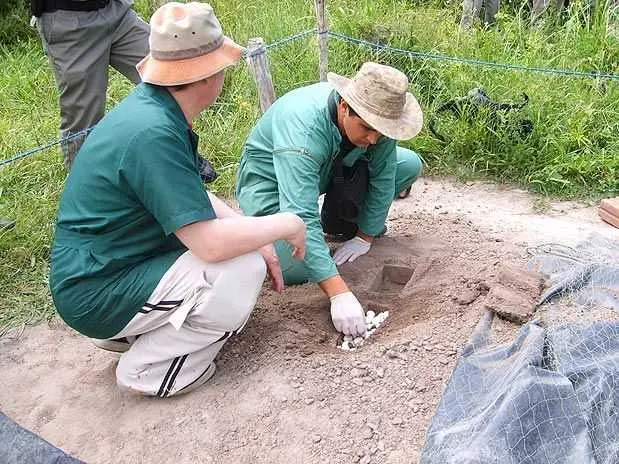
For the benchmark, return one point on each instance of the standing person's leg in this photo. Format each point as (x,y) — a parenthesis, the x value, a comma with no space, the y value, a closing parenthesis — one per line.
(129,43)
(538,8)
(77,44)
(491,8)
(409,168)
(194,310)
(470,11)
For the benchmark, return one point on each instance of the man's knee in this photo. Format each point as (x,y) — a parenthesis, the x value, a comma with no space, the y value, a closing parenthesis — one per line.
(127,373)
(294,271)
(409,169)
(410,166)
(241,278)
(251,268)
(296,275)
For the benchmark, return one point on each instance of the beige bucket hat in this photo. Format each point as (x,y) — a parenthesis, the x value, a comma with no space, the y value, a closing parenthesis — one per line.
(187,44)
(378,94)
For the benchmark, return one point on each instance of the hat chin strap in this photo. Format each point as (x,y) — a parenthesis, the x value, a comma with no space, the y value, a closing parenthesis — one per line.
(347,115)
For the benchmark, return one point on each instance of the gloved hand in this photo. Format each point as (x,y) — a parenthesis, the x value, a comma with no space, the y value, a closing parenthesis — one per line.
(347,314)
(351,250)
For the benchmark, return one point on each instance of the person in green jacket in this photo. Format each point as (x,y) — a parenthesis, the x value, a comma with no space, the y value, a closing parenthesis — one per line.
(337,138)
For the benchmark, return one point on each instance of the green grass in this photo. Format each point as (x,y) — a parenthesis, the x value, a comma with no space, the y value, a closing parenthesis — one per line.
(573,151)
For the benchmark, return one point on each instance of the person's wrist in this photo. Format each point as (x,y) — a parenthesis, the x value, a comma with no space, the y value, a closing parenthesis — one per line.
(366,237)
(334,286)
(340,296)
(293,223)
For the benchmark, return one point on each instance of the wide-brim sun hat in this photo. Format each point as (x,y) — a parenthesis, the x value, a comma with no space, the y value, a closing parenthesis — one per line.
(187,44)
(379,95)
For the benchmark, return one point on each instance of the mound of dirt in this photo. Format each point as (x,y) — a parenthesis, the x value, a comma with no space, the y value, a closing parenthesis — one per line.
(283,392)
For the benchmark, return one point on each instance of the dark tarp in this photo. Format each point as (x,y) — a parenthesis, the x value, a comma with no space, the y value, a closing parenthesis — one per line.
(551,396)
(19,446)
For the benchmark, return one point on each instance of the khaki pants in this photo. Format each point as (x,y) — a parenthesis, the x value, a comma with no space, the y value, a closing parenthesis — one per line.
(193,311)
(472,9)
(539,7)
(80,46)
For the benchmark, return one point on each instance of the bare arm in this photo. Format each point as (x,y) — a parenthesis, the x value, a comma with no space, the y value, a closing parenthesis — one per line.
(228,237)
(222,210)
(268,251)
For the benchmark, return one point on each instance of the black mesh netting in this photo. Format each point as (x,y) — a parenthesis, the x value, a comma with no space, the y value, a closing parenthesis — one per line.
(551,395)
(587,272)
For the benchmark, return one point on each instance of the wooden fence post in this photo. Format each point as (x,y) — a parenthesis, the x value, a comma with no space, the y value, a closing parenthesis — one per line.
(322,37)
(259,66)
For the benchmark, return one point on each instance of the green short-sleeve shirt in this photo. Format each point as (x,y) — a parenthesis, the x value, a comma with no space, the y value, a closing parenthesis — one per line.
(134,183)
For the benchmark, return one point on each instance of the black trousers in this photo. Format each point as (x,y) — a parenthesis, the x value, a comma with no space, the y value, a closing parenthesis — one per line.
(344,199)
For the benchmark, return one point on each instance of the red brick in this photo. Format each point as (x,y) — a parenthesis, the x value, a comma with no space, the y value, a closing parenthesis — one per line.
(611,205)
(612,219)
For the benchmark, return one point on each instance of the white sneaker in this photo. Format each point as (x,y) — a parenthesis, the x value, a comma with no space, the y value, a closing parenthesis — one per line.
(117,345)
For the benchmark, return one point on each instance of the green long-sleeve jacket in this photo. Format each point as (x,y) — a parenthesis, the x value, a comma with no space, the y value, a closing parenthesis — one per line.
(287,162)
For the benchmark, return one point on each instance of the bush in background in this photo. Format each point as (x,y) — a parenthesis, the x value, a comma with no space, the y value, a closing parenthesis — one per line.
(15,22)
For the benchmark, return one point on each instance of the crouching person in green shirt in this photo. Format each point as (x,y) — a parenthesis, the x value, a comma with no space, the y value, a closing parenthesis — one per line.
(144,258)
(336,138)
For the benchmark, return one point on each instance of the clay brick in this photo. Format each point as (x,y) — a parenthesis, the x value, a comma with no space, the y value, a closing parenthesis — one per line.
(612,219)
(510,304)
(515,293)
(521,280)
(611,205)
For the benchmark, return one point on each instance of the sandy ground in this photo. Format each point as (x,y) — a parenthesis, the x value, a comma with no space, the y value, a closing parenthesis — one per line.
(283,392)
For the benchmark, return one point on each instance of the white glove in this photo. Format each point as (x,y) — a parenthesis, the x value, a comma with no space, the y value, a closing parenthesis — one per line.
(351,250)
(347,314)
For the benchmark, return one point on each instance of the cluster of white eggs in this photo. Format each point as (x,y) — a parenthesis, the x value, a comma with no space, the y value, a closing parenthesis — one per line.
(372,322)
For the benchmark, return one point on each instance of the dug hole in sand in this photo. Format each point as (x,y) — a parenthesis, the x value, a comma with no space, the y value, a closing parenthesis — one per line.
(283,391)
